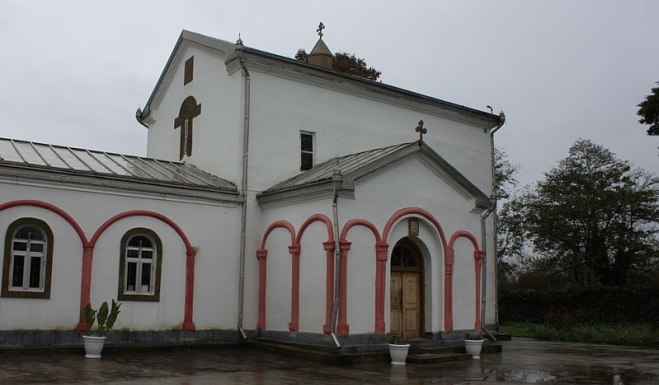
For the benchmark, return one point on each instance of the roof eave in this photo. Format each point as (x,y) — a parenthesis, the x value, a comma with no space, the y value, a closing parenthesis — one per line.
(268,62)
(90,179)
(202,40)
(310,191)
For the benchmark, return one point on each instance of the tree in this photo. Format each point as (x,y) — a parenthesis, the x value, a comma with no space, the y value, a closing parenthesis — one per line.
(346,63)
(594,217)
(504,174)
(649,111)
(510,214)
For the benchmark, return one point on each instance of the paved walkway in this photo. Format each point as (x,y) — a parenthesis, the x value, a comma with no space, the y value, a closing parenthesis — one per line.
(522,362)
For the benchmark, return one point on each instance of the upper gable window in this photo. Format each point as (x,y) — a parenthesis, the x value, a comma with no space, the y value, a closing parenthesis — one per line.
(306,150)
(28,259)
(189,70)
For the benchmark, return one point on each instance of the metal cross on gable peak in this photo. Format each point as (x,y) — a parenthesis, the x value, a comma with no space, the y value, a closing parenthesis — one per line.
(421,130)
(320,29)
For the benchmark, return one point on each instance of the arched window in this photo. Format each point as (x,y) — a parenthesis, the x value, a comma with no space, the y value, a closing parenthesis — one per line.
(139,271)
(406,256)
(28,259)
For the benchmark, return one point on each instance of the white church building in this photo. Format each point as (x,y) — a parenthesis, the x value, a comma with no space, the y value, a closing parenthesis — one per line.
(279,199)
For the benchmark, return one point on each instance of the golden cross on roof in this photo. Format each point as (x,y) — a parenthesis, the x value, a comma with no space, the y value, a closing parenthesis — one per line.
(320,29)
(421,130)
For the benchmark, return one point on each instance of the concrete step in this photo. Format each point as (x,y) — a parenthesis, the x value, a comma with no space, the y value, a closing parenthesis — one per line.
(421,352)
(501,336)
(328,355)
(434,358)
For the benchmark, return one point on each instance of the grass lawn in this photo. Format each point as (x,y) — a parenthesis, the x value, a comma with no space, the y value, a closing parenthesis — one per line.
(634,335)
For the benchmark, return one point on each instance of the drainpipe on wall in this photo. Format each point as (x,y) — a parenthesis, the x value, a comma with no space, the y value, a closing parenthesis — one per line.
(484,217)
(337,180)
(243,193)
(492,209)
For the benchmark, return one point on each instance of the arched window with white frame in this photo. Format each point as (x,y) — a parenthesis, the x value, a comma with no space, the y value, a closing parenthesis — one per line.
(28,259)
(141,262)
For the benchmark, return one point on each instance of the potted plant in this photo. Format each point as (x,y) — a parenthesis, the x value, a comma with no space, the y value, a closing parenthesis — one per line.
(397,350)
(474,344)
(105,318)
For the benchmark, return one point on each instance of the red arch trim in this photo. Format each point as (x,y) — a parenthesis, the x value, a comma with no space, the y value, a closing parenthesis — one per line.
(380,258)
(145,213)
(328,246)
(279,224)
(478,267)
(464,234)
(188,324)
(447,251)
(360,222)
(316,218)
(410,211)
(261,254)
(50,207)
(87,250)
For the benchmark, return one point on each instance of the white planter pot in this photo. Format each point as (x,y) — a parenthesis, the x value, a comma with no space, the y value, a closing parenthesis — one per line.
(398,353)
(474,347)
(93,346)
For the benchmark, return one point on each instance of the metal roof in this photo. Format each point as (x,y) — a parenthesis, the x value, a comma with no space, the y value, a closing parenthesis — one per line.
(355,166)
(350,165)
(39,156)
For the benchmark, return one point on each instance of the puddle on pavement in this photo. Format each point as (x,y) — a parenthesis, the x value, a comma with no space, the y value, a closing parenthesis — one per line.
(577,375)
(527,376)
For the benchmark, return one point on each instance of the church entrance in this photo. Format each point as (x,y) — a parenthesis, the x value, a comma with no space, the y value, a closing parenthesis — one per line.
(406,295)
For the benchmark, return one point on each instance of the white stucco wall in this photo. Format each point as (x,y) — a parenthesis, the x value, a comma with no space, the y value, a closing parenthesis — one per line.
(343,124)
(377,199)
(217,134)
(212,228)
(63,306)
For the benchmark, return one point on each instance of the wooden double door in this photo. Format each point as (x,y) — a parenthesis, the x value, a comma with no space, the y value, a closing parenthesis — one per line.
(406,291)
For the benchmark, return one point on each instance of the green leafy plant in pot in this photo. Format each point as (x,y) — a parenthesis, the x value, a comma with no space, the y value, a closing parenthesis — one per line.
(474,344)
(104,317)
(397,350)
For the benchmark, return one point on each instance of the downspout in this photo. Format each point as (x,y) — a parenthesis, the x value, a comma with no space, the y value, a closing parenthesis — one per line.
(243,193)
(484,217)
(337,180)
(492,209)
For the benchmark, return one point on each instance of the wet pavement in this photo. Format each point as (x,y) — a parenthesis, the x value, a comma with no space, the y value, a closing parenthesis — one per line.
(522,362)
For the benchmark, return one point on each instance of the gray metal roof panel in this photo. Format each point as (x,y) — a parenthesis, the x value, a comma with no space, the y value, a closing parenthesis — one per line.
(350,165)
(355,166)
(103,164)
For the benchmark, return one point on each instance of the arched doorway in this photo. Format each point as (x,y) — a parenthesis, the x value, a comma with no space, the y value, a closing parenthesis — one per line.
(406,290)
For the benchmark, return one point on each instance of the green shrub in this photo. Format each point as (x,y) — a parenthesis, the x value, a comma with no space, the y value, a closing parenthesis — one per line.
(574,305)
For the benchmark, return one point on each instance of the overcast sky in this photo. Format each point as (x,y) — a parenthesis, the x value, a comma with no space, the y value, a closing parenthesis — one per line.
(74,72)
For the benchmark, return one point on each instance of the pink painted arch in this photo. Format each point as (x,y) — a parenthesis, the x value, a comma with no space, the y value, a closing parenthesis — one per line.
(50,207)
(188,324)
(87,249)
(479,256)
(329,247)
(343,328)
(446,251)
(262,255)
